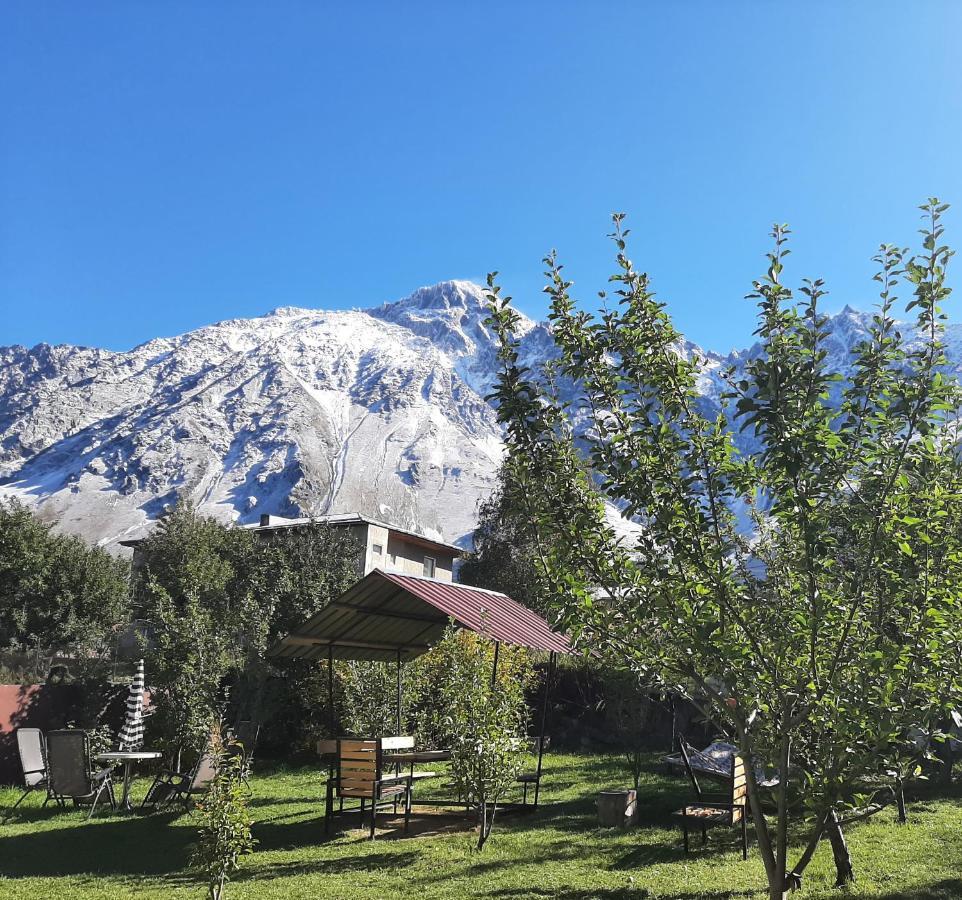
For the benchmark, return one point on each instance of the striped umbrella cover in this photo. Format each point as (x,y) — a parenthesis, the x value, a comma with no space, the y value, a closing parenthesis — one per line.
(131,736)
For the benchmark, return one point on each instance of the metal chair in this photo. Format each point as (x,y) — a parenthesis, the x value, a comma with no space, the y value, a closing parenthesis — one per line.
(69,774)
(711,810)
(181,786)
(33,762)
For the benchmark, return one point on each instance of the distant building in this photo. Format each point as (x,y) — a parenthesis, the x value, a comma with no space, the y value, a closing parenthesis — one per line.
(382,546)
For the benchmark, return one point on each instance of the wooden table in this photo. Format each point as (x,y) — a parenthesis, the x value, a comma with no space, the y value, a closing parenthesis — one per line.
(128,758)
(417,756)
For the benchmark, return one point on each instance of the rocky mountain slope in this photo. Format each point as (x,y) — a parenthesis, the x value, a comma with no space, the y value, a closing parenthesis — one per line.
(299,412)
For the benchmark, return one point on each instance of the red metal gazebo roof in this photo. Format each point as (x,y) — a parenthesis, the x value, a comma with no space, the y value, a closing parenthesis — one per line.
(385,616)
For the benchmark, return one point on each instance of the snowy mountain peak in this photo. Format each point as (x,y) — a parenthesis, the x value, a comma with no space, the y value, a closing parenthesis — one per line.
(299,412)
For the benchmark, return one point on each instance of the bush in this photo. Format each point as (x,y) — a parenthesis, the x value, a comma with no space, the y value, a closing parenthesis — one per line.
(482,720)
(225,834)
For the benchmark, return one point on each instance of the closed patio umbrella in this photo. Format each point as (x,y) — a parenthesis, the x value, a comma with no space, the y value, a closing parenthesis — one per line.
(131,735)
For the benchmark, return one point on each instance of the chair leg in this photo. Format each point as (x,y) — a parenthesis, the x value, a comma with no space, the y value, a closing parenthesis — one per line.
(684,833)
(744,838)
(407,808)
(23,797)
(93,805)
(149,796)
(704,836)
(374,800)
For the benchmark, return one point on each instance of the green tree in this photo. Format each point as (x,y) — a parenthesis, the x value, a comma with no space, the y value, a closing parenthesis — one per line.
(297,572)
(225,834)
(216,597)
(505,551)
(482,719)
(205,619)
(822,636)
(57,593)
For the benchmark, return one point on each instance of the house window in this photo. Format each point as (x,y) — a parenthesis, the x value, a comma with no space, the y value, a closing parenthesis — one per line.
(429,567)
(377,549)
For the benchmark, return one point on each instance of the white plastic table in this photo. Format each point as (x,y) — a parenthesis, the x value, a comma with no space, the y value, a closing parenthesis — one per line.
(128,758)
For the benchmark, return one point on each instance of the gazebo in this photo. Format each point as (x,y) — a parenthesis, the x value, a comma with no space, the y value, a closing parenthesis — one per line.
(390,617)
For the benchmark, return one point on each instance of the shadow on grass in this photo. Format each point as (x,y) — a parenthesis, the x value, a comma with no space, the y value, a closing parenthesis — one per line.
(281,833)
(575,894)
(949,889)
(128,846)
(372,862)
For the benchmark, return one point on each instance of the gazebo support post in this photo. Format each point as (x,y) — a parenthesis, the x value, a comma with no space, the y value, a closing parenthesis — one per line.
(399,692)
(329,805)
(544,716)
(330,689)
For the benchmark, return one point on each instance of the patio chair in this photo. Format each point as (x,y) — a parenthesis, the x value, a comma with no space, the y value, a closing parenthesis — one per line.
(713,810)
(360,775)
(69,774)
(169,785)
(33,762)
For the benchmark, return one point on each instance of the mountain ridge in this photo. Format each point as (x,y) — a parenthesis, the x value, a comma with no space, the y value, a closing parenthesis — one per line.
(296,412)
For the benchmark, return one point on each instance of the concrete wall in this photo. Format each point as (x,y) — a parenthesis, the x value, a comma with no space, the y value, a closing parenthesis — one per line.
(407,558)
(376,549)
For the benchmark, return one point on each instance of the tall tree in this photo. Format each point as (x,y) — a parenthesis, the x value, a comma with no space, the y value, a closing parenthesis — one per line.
(57,593)
(505,555)
(821,635)
(204,618)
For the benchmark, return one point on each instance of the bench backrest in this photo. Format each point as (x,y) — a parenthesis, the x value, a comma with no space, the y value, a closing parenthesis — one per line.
(358,767)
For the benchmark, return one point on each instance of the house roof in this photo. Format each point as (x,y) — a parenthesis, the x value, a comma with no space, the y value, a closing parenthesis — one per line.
(353,519)
(385,616)
(340,519)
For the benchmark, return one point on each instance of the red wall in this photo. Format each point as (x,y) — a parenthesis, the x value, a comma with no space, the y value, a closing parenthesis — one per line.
(47,706)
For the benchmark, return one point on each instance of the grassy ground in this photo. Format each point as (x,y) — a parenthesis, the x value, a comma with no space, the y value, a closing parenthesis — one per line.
(558,852)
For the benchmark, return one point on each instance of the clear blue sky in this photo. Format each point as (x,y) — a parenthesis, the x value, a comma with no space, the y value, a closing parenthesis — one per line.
(166,165)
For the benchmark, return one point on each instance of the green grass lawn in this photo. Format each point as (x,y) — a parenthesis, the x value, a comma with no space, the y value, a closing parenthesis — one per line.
(557,852)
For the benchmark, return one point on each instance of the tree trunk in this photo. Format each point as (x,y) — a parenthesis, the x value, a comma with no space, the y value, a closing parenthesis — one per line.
(843,861)
(483,828)
(900,799)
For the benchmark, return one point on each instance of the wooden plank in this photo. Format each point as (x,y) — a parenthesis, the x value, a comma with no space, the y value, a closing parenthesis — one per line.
(399,742)
(353,745)
(358,777)
(366,758)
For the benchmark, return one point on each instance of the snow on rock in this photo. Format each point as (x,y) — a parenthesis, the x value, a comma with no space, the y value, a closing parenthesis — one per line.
(299,412)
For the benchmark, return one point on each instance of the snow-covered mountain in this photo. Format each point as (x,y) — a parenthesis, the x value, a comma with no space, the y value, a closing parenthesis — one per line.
(299,412)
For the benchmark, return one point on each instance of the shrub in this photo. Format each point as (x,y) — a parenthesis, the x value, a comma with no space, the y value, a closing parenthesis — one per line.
(483,720)
(225,834)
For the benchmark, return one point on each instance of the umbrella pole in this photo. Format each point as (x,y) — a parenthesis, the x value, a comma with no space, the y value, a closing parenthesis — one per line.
(544,716)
